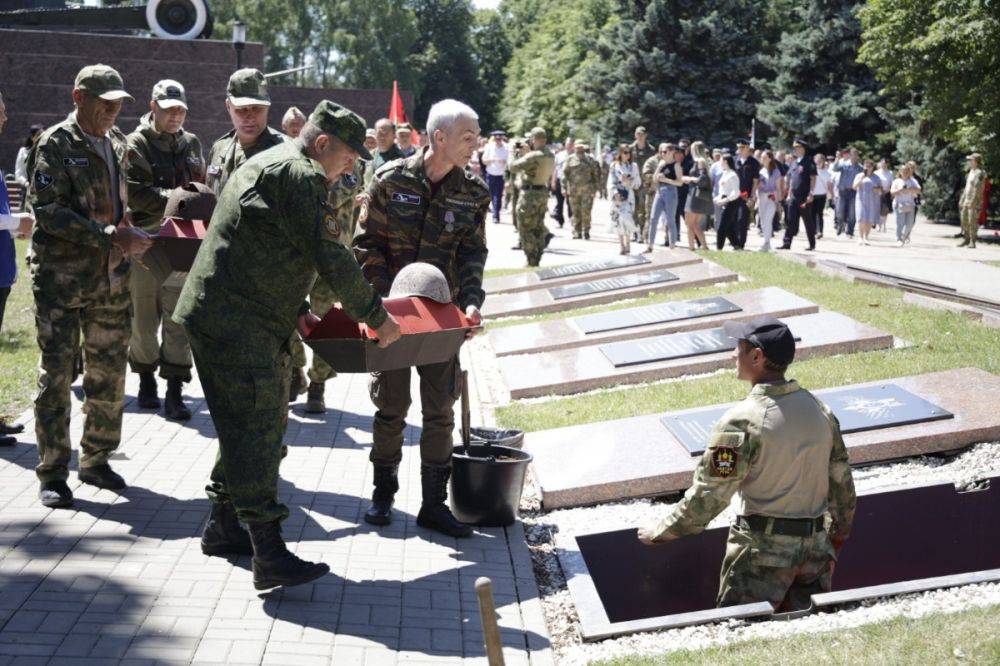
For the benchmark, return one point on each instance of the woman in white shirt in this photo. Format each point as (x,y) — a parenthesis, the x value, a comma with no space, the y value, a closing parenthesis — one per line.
(624,174)
(822,190)
(885,175)
(21,162)
(904,202)
(729,193)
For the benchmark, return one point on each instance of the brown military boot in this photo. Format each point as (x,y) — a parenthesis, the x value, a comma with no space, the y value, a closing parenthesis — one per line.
(315,404)
(273,565)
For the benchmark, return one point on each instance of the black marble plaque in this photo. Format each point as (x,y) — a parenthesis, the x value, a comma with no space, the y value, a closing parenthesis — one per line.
(654,314)
(591,267)
(612,284)
(857,409)
(665,347)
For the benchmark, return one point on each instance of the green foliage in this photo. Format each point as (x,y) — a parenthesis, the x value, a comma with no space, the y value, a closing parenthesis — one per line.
(679,67)
(546,74)
(814,85)
(18,348)
(946,55)
(491,50)
(940,164)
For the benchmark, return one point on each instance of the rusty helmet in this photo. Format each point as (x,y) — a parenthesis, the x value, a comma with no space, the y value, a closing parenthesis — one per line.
(420,279)
(194,201)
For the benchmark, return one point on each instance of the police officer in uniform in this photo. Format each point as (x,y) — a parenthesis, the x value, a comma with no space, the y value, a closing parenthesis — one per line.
(425,208)
(162,157)
(536,168)
(272,235)
(80,252)
(781,450)
(801,181)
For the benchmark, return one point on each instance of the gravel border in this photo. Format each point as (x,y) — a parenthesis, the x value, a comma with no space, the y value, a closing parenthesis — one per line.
(964,469)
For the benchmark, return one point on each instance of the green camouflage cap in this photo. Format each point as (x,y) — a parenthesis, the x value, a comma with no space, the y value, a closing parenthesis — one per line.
(248,87)
(538,133)
(342,123)
(168,93)
(102,81)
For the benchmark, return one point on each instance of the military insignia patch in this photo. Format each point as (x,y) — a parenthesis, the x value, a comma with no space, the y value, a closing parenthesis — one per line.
(331,225)
(193,160)
(723,462)
(404,198)
(213,169)
(76,161)
(350,180)
(449,221)
(42,180)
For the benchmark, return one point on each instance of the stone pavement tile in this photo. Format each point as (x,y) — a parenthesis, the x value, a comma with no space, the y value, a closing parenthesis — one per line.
(246,652)
(212,651)
(379,657)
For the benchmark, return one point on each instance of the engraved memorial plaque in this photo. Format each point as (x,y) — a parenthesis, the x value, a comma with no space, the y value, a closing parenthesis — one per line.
(568,270)
(616,320)
(612,284)
(666,347)
(858,409)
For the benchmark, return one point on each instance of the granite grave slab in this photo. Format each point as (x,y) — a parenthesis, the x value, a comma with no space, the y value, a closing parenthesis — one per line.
(615,283)
(557,276)
(640,457)
(646,321)
(857,409)
(585,368)
(620,586)
(542,300)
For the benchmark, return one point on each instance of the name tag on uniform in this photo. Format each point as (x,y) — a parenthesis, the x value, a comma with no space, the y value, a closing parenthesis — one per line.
(404,198)
(213,169)
(461,203)
(76,161)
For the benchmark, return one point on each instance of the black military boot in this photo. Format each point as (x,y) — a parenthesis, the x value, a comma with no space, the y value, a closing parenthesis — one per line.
(223,533)
(148,399)
(101,476)
(434,513)
(173,403)
(273,565)
(55,494)
(315,404)
(386,484)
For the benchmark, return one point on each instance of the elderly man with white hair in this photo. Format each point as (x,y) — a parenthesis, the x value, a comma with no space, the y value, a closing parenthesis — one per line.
(425,208)
(292,122)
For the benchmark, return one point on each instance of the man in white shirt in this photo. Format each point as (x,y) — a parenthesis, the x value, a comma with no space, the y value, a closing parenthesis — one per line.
(495,157)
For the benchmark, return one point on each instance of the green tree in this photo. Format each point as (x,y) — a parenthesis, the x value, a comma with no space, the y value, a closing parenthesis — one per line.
(943,58)
(491,50)
(814,85)
(679,67)
(368,44)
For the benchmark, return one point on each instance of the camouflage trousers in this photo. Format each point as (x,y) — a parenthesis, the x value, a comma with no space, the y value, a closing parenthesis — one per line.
(641,214)
(249,407)
(440,387)
(531,206)
(154,295)
(103,318)
(321,299)
(582,205)
(970,224)
(783,570)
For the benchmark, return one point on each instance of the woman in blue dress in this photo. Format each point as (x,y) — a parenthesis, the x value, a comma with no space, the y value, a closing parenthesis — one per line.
(867,201)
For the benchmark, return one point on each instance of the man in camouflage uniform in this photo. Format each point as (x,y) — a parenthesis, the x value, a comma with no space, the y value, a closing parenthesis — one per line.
(581,174)
(642,151)
(971,202)
(536,168)
(81,246)
(425,208)
(272,235)
(781,450)
(162,157)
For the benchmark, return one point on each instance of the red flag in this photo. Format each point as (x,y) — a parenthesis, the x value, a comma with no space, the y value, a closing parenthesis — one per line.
(397,113)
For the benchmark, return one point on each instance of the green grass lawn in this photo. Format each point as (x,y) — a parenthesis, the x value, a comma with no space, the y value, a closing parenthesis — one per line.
(940,341)
(18,349)
(965,637)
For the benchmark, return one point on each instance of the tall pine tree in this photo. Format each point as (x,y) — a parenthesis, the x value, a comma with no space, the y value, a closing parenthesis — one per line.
(815,87)
(680,68)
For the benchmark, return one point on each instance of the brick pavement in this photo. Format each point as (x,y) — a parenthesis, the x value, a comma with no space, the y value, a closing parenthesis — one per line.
(121,579)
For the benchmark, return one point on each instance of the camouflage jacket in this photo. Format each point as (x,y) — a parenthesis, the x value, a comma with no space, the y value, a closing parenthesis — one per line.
(782,450)
(648,171)
(972,195)
(158,163)
(71,196)
(342,200)
(272,231)
(581,174)
(640,155)
(407,223)
(227,155)
(537,167)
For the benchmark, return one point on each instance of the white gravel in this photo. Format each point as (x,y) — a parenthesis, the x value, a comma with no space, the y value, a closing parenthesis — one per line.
(979,462)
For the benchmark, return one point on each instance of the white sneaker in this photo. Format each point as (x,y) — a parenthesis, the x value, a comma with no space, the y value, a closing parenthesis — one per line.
(902,243)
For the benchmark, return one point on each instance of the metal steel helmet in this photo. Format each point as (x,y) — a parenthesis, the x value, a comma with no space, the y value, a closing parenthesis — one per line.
(420,279)
(194,201)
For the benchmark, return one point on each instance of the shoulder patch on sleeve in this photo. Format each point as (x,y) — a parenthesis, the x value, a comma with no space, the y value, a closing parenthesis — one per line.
(724,460)
(42,180)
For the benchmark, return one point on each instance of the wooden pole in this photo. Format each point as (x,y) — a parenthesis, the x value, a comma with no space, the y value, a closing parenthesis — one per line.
(488,615)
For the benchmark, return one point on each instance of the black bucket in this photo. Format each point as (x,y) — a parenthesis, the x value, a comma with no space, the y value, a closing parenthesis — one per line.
(498,437)
(486,483)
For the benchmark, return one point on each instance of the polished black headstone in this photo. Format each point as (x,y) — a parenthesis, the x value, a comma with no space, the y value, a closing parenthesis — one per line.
(612,284)
(858,409)
(666,347)
(567,270)
(654,314)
